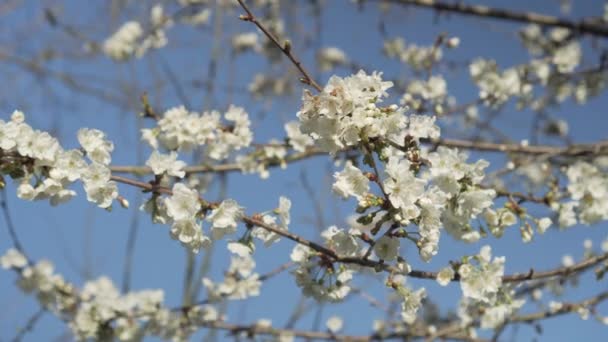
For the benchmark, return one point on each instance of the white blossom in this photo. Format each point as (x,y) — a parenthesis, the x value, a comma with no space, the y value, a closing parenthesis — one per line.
(183,204)
(334,324)
(166,163)
(13,259)
(386,248)
(224,218)
(244,42)
(482,282)
(331,57)
(298,140)
(95,144)
(123,43)
(445,275)
(98,186)
(351,182)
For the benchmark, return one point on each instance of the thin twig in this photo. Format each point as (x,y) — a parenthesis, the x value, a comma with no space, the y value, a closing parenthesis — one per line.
(577,150)
(31,323)
(9,223)
(285,47)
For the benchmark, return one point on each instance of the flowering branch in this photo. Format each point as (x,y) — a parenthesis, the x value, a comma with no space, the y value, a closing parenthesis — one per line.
(578,150)
(378,265)
(563,309)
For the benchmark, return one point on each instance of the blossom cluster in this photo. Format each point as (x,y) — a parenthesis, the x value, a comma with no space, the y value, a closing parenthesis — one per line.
(317,275)
(417,57)
(240,282)
(588,187)
(564,51)
(131,39)
(495,86)
(181,130)
(346,112)
(483,290)
(184,210)
(44,170)
(423,94)
(99,311)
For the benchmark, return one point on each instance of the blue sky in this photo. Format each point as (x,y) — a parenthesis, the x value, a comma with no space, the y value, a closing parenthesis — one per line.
(86,242)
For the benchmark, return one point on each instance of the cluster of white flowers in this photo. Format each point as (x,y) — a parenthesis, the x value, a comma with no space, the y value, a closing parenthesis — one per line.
(168,164)
(558,44)
(481,282)
(331,57)
(263,156)
(198,13)
(44,170)
(123,43)
(224,218)
(341,241)
(387,248)
(588,187)
(423,94)
(498,220)
(404,189)
(131,39)
(296,139)
(459,182)
(351,182)
(346,112)
(182,130)
(411,300)
(101,303)
(496,87)
(317,276)
(270,218)
(535,171)
(482,287)
(244,42)
(99,310)
(559,53)
(417,57)
(240,281)
(265,86)
(446,192)
(184,211)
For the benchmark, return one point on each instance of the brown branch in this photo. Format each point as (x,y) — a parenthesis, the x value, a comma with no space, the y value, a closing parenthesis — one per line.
(568,151)
(561,271)
(583,26)
(378,265)
(285,47)
(566,308)
(222,168)
(255,329)
(577,150)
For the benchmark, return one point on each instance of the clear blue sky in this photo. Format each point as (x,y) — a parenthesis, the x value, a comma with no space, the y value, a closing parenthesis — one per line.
(86,242)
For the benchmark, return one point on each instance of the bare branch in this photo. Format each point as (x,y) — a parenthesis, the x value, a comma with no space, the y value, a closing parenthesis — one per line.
(285,47)
(584,26)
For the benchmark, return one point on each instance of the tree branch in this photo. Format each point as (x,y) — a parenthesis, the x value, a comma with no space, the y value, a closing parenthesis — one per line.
(378,265)
(583,26)
(285,47)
